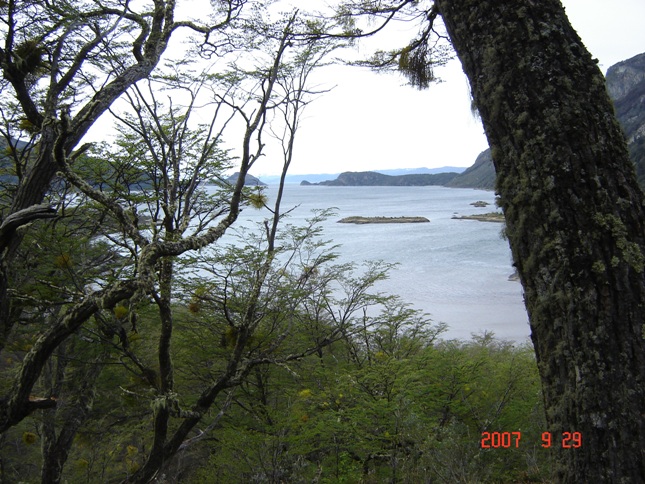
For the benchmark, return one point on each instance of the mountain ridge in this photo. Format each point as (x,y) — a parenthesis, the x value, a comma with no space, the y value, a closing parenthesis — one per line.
(373,178)
(319,177)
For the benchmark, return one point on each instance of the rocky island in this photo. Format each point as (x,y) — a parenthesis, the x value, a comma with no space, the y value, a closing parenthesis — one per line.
(483,217)
(383,220)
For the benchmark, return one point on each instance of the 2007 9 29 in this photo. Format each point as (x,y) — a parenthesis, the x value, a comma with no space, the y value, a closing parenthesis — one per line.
(505,440)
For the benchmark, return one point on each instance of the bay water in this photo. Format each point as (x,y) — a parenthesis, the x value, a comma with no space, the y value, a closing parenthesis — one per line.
(457,271)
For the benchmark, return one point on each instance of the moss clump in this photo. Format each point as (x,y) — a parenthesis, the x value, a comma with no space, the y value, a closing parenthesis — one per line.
(120,311)
(598,267)
(29,438)
(63,261)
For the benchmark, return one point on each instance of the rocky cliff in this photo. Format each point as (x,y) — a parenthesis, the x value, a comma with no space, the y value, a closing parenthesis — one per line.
(626,86)
(626,80)
(480,175)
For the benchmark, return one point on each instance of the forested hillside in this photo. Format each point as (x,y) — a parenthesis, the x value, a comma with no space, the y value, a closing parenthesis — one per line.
(374,179)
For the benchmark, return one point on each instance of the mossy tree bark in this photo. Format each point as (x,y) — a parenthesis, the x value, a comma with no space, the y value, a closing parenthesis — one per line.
(575,220)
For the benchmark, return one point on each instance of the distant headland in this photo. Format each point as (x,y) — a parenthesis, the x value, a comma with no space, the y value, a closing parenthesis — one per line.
(372,179)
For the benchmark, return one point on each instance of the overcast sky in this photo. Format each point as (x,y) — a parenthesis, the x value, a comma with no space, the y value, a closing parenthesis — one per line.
(373,121)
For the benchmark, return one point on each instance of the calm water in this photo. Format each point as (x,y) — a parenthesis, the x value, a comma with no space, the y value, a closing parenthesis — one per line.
(455,270)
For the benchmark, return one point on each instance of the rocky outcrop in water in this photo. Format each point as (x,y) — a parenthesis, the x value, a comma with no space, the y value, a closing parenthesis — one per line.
(383,220)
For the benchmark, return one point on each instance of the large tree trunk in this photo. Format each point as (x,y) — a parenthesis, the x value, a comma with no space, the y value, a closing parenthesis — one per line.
(574,217)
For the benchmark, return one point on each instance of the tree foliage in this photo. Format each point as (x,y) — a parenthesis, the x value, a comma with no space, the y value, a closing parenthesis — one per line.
(128,210)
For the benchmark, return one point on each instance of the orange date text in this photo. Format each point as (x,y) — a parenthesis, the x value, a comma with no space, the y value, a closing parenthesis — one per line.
(506,440)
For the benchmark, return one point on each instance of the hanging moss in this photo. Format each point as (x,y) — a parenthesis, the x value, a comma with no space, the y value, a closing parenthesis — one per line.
(257,200)
(29,57)
(28,126)
(416,64)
